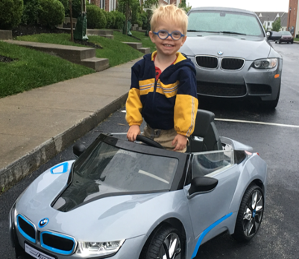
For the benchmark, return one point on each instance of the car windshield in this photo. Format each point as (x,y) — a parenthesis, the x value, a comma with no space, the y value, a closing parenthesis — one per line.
(286,33)
(110,170)
(224,22)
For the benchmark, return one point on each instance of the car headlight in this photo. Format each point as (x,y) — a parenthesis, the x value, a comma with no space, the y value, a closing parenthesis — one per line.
(99,248)
(265,63)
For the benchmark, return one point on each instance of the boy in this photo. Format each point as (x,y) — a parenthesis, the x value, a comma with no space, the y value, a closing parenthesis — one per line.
(163,84)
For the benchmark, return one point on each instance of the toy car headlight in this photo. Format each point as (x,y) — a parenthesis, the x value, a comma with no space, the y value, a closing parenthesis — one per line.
(99,248)
(265,63)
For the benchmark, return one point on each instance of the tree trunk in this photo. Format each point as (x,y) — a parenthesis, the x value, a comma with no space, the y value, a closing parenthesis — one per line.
(71,20)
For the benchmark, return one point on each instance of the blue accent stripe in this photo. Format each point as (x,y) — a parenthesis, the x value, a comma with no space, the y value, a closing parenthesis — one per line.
(21,230)
(206,231)
(55,250)
(64,169)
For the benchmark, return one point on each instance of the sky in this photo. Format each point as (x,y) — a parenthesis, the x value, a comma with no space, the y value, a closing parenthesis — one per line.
(251,5)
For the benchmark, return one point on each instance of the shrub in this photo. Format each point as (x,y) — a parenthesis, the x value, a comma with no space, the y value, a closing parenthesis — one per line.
(144,19)
(110,20)
(51,13)
(10,13)
(119,19)
(30,12)
(96,18)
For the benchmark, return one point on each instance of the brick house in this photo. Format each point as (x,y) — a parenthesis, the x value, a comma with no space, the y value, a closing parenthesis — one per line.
(110,5)
(293,18)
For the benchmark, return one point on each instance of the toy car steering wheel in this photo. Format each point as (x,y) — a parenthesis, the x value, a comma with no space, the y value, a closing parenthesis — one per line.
(148,141)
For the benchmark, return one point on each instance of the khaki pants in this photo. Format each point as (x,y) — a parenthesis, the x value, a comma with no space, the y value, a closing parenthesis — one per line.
(163,137)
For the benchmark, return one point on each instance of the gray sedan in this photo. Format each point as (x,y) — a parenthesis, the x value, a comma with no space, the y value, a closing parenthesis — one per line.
(232,55)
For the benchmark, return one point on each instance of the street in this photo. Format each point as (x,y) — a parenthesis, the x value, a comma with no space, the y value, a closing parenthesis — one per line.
(273,134)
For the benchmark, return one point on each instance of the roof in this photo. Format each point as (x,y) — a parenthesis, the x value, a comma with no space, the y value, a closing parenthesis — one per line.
(269,16)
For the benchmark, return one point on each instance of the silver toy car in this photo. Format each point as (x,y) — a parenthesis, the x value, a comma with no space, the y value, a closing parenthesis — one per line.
(126,200)
(232,55)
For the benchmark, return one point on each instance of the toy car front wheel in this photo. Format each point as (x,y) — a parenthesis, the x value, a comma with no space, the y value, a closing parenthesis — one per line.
(166,242)
(250,214)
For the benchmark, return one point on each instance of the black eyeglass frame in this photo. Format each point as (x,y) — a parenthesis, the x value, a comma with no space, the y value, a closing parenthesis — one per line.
(168,34)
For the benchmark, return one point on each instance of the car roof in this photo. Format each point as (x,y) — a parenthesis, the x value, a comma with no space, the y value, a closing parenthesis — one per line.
(227,9)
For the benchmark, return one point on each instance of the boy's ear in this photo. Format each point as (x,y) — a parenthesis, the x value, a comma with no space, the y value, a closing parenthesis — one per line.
(183,40)
(151,35)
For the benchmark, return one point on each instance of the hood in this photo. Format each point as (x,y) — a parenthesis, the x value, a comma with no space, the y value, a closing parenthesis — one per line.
(102,219)
(249,48)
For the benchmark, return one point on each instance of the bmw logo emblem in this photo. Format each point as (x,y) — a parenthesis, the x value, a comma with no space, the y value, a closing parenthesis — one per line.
(43,222)
(220,53)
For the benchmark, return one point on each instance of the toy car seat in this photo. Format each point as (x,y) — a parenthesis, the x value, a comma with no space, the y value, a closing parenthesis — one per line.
(205,136)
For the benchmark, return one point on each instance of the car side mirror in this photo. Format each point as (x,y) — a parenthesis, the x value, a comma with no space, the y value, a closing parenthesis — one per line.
(202,184)
(269,34)
(78,149)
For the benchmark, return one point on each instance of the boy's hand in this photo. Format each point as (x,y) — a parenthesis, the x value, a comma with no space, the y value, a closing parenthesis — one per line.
(180,142)
(133,131)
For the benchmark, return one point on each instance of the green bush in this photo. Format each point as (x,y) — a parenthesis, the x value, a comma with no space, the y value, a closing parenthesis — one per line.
(110,20)
(51,13)
(119,19)
(30,12)
(144,19)
(10,13)
(96,18)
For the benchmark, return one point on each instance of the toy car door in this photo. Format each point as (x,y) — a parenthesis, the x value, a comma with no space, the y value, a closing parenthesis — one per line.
(210,209)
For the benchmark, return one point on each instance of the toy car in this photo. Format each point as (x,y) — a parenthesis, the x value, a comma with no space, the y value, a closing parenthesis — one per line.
(126,200)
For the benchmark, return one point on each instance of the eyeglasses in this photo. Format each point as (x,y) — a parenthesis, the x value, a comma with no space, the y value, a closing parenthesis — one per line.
(163,34)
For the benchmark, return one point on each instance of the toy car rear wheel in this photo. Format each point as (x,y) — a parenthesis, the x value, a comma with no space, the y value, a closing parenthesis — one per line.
(250,214)
(166,242)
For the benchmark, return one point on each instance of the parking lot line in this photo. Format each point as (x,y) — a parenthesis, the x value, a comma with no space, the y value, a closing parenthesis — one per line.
(259,122)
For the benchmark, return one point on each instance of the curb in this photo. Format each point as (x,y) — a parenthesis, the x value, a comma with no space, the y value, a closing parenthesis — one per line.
(50,148)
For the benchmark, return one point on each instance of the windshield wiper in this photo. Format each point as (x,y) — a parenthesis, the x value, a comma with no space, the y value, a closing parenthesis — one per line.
(232,32)
(201,31)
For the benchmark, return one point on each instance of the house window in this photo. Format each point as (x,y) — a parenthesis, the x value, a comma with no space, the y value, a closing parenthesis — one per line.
(102,4)
(112,5)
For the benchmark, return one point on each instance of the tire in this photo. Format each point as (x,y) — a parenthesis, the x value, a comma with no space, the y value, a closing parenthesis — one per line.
(250,214)
(279,42)
(292,42)
(164,240)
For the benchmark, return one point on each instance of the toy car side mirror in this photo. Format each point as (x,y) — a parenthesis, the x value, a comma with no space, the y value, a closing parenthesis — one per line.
(78,149)
(202,184)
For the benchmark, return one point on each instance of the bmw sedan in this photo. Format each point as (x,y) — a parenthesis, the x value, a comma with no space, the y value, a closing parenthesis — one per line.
(232,55)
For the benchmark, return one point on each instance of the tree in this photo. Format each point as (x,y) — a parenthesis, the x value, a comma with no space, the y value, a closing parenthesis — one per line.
(184,6)
(276,25)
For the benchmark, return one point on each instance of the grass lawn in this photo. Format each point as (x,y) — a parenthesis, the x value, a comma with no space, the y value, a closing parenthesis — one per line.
(31,69)
(296,39)
(113,49)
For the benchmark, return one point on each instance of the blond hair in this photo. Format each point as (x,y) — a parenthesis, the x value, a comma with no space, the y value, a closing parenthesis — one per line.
(169,13)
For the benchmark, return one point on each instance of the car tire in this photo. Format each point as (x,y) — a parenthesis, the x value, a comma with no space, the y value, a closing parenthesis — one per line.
(292,42)
(279,42)
(250,214)
(165,239)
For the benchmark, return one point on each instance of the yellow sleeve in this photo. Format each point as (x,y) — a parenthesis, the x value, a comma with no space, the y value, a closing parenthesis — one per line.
(185,111)
(134,107)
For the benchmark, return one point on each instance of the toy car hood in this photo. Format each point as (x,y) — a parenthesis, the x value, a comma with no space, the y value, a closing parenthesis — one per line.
(106,214)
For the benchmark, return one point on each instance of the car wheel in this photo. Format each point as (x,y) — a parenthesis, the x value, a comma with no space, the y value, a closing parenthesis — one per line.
(166,242)
(292,42)
(279,42)
(250,214)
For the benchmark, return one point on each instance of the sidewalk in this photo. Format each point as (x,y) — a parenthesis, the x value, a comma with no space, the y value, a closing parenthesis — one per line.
(38,124)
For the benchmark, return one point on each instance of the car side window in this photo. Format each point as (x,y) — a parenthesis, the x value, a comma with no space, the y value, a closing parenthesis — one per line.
(206,163)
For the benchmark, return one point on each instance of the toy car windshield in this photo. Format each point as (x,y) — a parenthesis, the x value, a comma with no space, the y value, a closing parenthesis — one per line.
(105,169)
